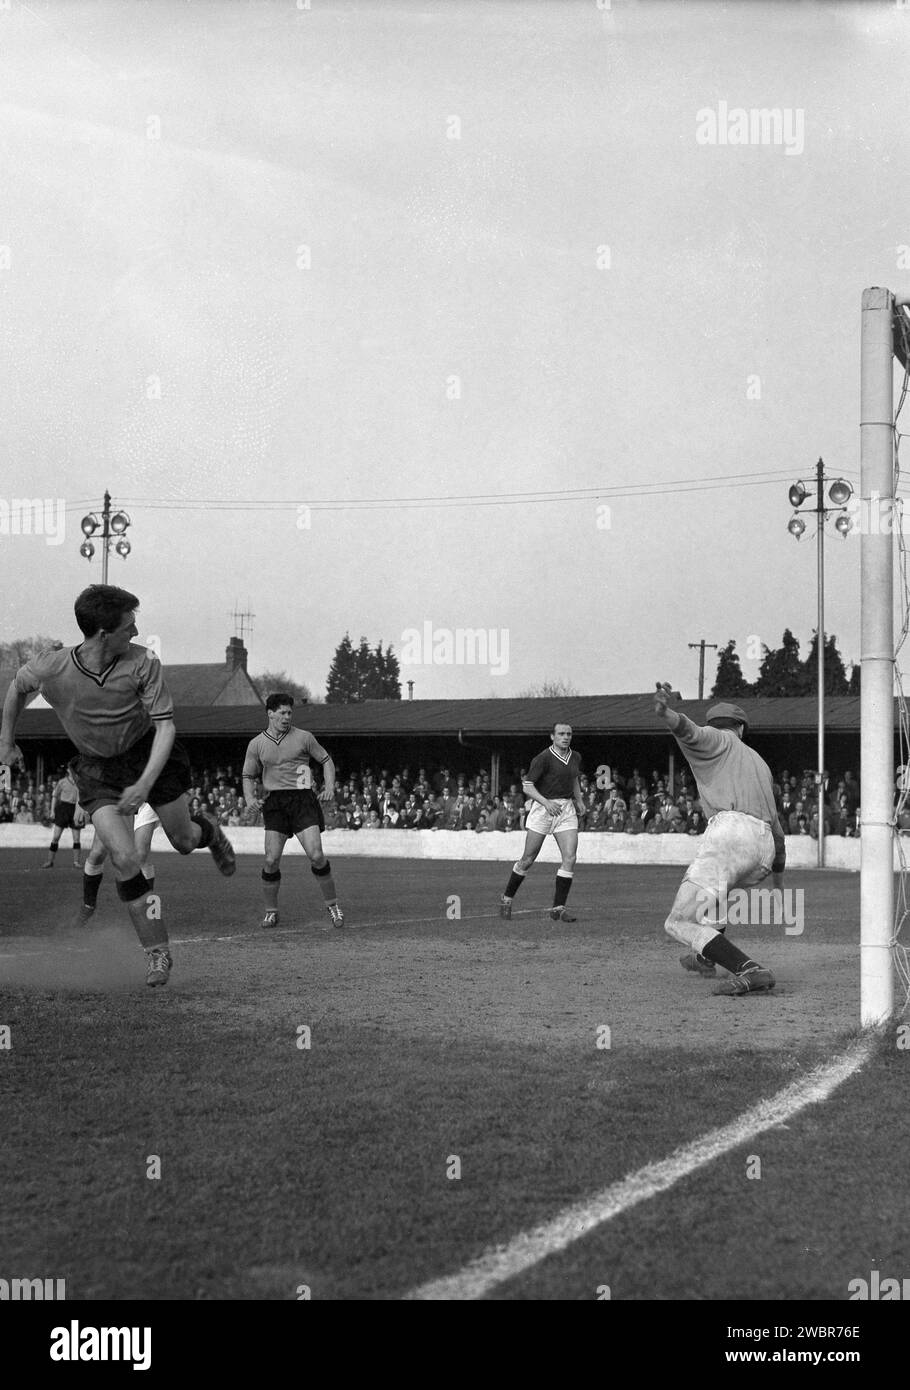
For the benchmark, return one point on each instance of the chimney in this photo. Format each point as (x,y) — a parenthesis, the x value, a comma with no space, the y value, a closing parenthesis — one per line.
(236,654)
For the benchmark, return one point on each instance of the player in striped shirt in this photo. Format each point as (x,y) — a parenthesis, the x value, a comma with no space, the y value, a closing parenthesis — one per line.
(111,699)
(552,784)
(280,756)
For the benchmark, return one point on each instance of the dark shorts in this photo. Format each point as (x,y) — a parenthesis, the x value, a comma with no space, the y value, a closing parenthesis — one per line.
(102,781)
(291,812)
(65,814)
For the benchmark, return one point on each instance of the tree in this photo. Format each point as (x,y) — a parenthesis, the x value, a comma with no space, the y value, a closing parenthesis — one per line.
(271,681)
(362,674)
(341,685)
(20,649)
(836,682)
(390,672)
(729,683)
(781,671)
(855,686)
(548,690)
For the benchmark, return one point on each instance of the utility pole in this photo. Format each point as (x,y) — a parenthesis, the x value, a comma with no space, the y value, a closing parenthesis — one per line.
(701,663)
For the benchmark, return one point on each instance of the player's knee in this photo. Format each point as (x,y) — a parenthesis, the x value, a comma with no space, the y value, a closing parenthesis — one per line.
(125,862)
(568,861)
(319,864)
(680,926)
(672,927)
(271,865)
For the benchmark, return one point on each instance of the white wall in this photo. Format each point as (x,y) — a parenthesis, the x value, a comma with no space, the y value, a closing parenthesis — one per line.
(462,844)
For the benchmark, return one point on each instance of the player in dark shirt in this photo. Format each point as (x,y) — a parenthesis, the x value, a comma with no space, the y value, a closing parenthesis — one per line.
(552,784)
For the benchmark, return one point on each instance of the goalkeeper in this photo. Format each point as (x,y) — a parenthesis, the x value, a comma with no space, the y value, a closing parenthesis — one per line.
(743,843)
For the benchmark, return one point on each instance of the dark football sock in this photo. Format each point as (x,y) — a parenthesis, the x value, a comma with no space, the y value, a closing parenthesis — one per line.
(722,952)
(90,885)
(513,885)
(563,884)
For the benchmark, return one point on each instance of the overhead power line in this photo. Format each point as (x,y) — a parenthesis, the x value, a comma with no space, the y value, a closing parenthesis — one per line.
(529,497)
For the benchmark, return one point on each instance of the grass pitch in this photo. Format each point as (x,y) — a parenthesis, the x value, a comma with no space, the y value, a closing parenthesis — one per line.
(347,1115)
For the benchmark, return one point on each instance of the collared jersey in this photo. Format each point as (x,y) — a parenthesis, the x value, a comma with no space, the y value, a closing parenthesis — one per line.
(554,773)
(103,712)
(283,762)
(65,790)
(729,774)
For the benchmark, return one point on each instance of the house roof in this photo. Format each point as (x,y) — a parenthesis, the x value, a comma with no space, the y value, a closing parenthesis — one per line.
(518,718)
(197,684)
(205,683)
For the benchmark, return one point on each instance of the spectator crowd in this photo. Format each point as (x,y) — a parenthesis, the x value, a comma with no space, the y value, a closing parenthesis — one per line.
(381,800)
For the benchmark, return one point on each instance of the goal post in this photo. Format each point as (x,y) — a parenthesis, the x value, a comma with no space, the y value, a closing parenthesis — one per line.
(877,652)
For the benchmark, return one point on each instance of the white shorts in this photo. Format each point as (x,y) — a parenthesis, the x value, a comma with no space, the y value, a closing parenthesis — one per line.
(736,851)
(146,815)
(538,818)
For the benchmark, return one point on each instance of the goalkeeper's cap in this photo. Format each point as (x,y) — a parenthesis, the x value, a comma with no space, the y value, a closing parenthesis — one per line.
(725,711)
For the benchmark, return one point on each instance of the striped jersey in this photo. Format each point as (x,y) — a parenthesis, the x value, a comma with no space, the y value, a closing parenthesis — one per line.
(283,762)
(103,712)
(554,773)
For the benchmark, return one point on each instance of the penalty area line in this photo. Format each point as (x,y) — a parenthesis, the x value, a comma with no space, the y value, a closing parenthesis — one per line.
(502,1262)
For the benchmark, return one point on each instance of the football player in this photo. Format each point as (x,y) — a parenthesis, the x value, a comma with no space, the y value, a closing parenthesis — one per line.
(280,757)
(742,845)
(67,815)
(114,705)
(552,784)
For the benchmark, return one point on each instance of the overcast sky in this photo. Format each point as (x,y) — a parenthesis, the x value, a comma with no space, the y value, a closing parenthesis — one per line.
(399,253)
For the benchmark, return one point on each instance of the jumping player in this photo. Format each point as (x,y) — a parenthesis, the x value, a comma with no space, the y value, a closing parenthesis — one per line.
(112,701)
(68,815)
(144,827)
(742,844)
(280,756)
(552,784)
